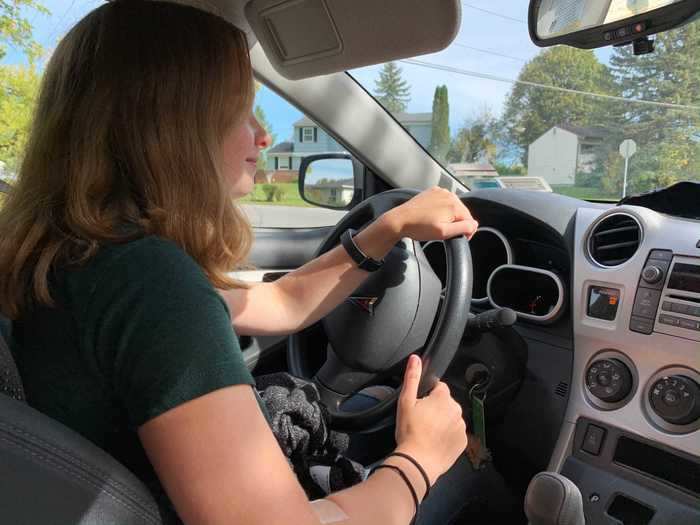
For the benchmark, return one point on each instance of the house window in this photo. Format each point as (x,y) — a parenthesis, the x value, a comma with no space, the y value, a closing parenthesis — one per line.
(283,163)
(308,135)
(587,148)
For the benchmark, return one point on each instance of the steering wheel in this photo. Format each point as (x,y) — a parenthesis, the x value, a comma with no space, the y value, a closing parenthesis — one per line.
(387,318)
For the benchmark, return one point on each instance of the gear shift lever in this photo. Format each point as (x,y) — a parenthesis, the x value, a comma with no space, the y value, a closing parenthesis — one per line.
(553,499)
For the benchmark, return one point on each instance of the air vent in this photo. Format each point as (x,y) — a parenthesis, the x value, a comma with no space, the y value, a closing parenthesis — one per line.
(614,240)
(562,389)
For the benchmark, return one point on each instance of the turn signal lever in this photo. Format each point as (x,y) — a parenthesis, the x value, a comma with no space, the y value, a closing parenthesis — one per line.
(490,320)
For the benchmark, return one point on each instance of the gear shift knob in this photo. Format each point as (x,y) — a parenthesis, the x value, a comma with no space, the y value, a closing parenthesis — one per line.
(553,499)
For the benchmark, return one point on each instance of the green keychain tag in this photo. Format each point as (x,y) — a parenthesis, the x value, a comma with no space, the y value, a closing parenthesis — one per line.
(478,416)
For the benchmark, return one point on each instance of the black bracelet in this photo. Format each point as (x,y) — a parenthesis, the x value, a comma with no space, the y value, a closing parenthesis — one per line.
(418,467)
(363,261)
(404,477)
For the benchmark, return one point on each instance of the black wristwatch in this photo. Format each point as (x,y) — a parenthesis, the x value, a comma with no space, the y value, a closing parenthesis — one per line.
(363,262)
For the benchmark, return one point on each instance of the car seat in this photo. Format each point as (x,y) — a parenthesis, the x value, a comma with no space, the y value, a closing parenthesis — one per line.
(50,474)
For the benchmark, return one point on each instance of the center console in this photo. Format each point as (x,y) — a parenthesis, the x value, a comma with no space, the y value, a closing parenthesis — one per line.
(631,437)
(625,478)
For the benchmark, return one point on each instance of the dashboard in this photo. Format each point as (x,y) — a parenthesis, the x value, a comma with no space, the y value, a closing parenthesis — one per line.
(617,291)
(524,273)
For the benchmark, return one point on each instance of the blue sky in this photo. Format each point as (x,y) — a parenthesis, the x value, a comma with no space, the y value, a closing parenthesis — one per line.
(499,35)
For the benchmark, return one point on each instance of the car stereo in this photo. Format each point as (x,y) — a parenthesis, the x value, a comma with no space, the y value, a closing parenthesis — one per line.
(668,296)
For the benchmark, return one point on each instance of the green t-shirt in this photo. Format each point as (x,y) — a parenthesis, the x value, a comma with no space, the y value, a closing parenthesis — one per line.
(136,331)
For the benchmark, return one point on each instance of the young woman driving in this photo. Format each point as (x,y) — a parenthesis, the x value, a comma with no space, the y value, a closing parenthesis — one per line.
(115,251)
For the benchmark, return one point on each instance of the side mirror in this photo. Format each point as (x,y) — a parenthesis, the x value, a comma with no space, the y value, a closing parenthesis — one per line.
(613,22)
(331,180)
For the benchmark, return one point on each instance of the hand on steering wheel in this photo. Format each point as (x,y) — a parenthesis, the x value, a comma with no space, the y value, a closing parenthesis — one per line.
(434,214)
(406,296)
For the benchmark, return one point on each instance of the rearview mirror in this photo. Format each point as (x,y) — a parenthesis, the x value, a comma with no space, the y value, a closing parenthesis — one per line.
(330,180)
(596,23)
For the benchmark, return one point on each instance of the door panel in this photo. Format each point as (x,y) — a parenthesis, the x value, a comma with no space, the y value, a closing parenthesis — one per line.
(282,248)
(275,251)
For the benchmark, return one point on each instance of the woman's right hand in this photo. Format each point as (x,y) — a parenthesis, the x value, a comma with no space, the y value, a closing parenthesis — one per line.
(430,429)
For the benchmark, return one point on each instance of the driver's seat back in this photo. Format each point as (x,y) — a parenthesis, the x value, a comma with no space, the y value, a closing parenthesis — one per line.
(50,474)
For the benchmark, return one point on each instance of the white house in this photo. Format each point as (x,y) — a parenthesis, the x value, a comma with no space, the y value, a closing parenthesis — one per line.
(419,125)
(562,151)
(334,193)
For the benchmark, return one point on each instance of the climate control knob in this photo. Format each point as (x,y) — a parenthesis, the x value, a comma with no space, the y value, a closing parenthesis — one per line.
(609,380)
(676,399)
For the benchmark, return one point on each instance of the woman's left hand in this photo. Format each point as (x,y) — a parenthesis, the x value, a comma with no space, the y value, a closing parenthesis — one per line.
(435,213)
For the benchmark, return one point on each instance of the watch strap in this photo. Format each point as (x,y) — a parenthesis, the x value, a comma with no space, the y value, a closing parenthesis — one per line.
(363,262)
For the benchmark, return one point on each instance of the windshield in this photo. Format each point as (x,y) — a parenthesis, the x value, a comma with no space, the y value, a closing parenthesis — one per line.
(497,111)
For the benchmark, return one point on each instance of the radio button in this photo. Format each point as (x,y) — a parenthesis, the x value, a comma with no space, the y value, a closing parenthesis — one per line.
(679,308)
(646,302)
(670,320)
(664,255)
(690,324)
(641,325)
(652,274)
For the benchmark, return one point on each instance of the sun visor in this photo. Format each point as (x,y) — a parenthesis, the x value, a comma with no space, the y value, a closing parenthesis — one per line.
(306,38)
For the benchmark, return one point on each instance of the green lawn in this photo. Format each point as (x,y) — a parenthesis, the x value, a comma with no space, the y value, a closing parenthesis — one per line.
(291,196)
(583,193)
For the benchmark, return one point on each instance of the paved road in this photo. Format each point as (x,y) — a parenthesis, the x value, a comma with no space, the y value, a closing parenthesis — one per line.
(263,216)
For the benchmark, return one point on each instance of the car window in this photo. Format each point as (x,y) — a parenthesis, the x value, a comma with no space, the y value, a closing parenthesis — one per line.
(35,26)
(498,112)
(275,202)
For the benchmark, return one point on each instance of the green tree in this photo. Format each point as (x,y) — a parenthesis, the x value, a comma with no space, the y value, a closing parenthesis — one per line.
(18,90)
(668,147)
(440,136)
(392,91)
(18,84)
(15,28)
(474,141)
(531,110)
(509,169)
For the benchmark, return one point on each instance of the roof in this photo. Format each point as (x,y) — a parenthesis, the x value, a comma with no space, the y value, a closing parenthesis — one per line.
(413,117)
(304,121)
(282,147)
(585,131)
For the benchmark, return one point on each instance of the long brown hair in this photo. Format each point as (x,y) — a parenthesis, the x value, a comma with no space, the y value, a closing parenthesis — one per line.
(127,134)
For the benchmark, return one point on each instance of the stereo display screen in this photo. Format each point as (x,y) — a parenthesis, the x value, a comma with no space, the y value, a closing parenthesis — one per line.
(685,277)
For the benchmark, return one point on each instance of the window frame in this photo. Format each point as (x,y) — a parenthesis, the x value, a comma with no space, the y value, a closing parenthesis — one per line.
(310,137)
(287,159)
